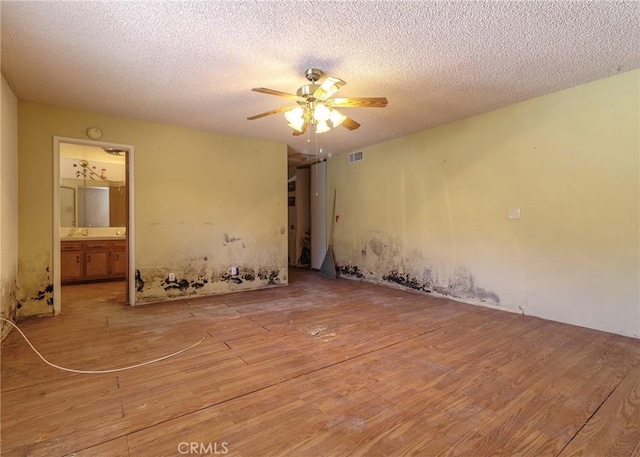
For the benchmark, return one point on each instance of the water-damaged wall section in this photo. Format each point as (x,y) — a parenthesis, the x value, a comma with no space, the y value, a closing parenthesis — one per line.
(8,206)
(204,203)
(385,260)
(429,211)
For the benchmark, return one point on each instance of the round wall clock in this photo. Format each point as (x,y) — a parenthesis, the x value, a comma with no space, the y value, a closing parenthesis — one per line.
(94,133)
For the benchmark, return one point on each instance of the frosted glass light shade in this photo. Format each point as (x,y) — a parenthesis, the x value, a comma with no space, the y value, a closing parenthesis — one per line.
(294,114)
(295,118)
(296,124)
(322,127)
(321,113)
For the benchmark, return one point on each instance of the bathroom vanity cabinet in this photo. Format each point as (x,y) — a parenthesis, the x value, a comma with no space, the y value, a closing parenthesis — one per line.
(92,260)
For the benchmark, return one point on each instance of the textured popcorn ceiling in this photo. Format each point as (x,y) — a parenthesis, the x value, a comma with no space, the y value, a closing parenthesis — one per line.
(194,63)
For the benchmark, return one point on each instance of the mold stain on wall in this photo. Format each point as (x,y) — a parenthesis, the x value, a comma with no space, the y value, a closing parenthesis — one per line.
(139,281)
(203,279)
(8,295)
(462,285)
(380,261)
(406,280)
(378,247)
(35,293)
(350,271)
(230,239)
(45,294)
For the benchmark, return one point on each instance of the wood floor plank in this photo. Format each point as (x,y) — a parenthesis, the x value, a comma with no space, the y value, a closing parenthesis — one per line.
(58,416)
(318,368)
(614,429)
(113,448)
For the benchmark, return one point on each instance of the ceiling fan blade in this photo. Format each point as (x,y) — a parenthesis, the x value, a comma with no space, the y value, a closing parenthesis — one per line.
(264,90)
(329,87)
(367,102)
(350,124)
(273,111)
(304,129)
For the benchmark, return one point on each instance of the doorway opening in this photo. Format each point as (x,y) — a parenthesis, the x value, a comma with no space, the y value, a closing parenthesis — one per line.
(307,215)
(93,236)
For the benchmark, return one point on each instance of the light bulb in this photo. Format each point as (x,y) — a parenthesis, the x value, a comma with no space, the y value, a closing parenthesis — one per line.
(295,118)
(321,113)
(296,124)
(336,118)
(322,127)
(293,115)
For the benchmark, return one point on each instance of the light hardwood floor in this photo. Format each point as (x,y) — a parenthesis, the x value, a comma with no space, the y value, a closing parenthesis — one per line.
(318,368)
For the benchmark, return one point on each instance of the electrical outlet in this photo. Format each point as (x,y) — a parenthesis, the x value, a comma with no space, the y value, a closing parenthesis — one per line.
(514,213)
(172,277)
(234,270)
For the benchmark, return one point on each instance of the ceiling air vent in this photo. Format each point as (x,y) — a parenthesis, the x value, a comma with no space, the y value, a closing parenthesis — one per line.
(356,156)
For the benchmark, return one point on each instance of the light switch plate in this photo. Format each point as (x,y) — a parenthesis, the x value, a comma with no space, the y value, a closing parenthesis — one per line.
(514,213)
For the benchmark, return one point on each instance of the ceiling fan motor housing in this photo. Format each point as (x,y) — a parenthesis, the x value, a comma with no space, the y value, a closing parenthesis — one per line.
(313,74)
(306,91)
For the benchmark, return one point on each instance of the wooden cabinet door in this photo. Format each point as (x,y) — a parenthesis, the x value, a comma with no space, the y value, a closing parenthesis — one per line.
(71,265)
(96,260)
(96,264)
(119,259)
(118,206)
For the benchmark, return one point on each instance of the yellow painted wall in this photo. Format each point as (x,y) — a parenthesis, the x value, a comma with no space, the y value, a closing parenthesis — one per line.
(8,205)
(429,210)
(203,202)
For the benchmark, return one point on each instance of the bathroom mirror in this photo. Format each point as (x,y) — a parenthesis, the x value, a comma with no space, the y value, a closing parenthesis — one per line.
(93,191)
(67,206)
(93,207)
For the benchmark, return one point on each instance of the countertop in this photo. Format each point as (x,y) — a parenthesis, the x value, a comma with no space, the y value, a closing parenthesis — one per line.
(92,238)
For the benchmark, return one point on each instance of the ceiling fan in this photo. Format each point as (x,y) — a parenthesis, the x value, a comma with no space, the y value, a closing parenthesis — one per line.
(314,105)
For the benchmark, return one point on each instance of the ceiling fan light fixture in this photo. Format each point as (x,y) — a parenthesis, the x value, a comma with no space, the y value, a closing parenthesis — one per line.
(295,118)
(294,114)
(315,105)
(321,113)
(322,127)
(296,124)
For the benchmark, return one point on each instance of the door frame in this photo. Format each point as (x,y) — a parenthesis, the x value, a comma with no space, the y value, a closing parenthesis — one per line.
(131,280)
(318,213)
